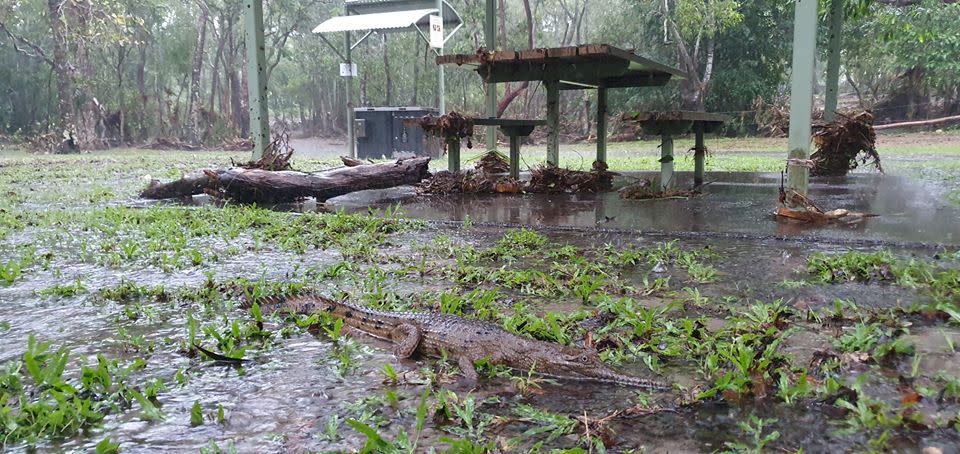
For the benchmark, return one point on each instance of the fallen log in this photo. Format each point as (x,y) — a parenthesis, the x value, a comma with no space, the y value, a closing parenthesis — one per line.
(190,184)
(264,186)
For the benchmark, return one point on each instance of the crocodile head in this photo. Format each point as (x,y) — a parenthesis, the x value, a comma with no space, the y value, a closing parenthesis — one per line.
(584,364)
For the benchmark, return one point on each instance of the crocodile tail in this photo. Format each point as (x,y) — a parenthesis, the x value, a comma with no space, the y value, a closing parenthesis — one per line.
(268,304)
(306,304)
(298,303)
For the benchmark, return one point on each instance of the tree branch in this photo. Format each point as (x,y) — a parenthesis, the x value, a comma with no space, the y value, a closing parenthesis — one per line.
(685,55)
(39,53)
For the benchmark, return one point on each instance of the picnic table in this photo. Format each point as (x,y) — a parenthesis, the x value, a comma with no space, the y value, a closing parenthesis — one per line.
(671,123)
(594,66)
(515,129)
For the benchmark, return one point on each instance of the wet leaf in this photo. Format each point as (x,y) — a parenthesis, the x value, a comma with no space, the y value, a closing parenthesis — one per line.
(107,447)
(196,414)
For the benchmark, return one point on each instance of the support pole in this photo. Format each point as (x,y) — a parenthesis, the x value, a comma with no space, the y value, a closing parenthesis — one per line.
(801,92)
(699,154)
(256,76)
(666,161)
(553,122)
(489,36)
(515,156)
(453,155)
(351,134)
(833,59)
(441,78)
(602,124)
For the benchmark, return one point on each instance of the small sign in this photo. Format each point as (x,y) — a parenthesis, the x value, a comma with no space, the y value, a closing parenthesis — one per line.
(436,32)
(348,69)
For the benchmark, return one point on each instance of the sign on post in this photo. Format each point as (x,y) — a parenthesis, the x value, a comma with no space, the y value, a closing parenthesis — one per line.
(436,31)
(348,69)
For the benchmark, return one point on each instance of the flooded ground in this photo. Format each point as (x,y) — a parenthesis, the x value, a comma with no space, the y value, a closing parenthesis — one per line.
(779,338)
(732,202)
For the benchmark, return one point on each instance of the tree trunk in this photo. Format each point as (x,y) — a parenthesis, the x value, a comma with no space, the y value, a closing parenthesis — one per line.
(92,113)
(502,10)
(363,89)
(142,91)
(264,186)
(510,94)
(388,101)
(414,98)
(529,16)
(61,66)
(121,112)
(215,70)
(193,129)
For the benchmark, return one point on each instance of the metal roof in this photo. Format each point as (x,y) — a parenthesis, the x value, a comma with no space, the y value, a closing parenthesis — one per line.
(389,15)
(355,7)
(375,21)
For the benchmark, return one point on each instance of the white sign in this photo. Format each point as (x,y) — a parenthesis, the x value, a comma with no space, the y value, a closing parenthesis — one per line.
(348,69)
(436,32)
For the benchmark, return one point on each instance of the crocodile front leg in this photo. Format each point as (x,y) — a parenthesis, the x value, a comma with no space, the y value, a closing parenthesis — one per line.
(407,338)
(467,368)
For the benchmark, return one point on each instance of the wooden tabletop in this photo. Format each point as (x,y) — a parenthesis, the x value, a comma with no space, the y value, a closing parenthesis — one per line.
(575,68)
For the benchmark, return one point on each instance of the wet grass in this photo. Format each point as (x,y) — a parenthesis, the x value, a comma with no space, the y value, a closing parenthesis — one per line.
(146,327)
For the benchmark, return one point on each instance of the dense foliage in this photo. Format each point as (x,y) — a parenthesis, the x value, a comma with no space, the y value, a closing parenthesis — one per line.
(122,71)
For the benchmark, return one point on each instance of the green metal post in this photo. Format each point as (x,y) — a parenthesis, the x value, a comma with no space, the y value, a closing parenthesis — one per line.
(666,161)
(602,124)
(553,122)
(441,78)
(256,77)
(453,156)
(801,92)
(699,154)
(515,156)
(489,35)
(351,134)
(833,59)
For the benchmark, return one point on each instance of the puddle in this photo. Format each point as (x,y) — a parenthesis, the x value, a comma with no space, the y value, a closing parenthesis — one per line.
(733,202)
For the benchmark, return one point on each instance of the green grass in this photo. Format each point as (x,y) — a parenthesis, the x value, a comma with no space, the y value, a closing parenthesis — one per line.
(741,154)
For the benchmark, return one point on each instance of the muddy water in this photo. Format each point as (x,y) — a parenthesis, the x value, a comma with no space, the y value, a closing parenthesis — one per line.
(281,399)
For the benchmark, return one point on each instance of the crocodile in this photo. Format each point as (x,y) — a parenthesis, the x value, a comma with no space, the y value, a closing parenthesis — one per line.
(463,339)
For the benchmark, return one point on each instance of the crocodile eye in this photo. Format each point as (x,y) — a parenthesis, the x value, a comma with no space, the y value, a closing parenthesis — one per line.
(585,358)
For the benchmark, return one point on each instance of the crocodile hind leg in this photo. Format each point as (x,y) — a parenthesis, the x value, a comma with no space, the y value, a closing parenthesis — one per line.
(407,337)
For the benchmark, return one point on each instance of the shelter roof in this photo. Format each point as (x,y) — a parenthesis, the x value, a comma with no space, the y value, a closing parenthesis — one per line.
(576,67)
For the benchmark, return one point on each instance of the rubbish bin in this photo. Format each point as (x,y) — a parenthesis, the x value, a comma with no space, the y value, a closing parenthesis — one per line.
(381,133)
